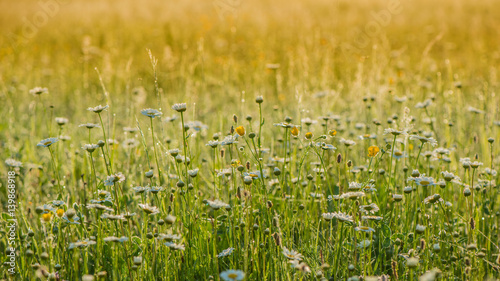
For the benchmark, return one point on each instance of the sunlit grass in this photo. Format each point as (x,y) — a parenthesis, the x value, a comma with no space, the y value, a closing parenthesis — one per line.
(181,145)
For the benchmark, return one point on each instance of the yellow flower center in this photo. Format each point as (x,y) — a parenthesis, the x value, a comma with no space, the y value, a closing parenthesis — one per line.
(232,275)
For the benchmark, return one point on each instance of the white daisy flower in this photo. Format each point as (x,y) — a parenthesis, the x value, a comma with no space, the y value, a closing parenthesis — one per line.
(232,275)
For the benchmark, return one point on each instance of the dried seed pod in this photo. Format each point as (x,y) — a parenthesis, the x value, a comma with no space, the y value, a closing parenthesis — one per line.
(277,238)
(472,223)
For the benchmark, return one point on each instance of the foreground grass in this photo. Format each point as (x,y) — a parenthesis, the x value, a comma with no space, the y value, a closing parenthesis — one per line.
(288,160)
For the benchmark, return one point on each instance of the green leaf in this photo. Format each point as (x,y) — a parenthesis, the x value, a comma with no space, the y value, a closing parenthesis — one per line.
(6,216)
(396,236)
(222,218)
(136,240)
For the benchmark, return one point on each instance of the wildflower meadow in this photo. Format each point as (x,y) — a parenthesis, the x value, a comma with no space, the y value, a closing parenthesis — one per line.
(249,140)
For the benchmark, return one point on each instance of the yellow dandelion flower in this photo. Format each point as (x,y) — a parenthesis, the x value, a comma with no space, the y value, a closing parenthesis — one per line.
(60,212)
(46,217)
(240,130)
(295,131)
(373,151)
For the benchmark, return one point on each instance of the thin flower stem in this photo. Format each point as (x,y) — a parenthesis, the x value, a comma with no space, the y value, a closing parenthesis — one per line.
(392,157)
(260,130)
(105,139)
(418,155)
(56,170)
(184,145)
(93,171)
(160,179)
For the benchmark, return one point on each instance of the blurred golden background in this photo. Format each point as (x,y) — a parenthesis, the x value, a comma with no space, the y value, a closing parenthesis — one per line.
(207,48)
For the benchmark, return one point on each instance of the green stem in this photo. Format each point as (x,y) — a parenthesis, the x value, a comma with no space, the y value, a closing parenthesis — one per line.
(156,154)
(56,172)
